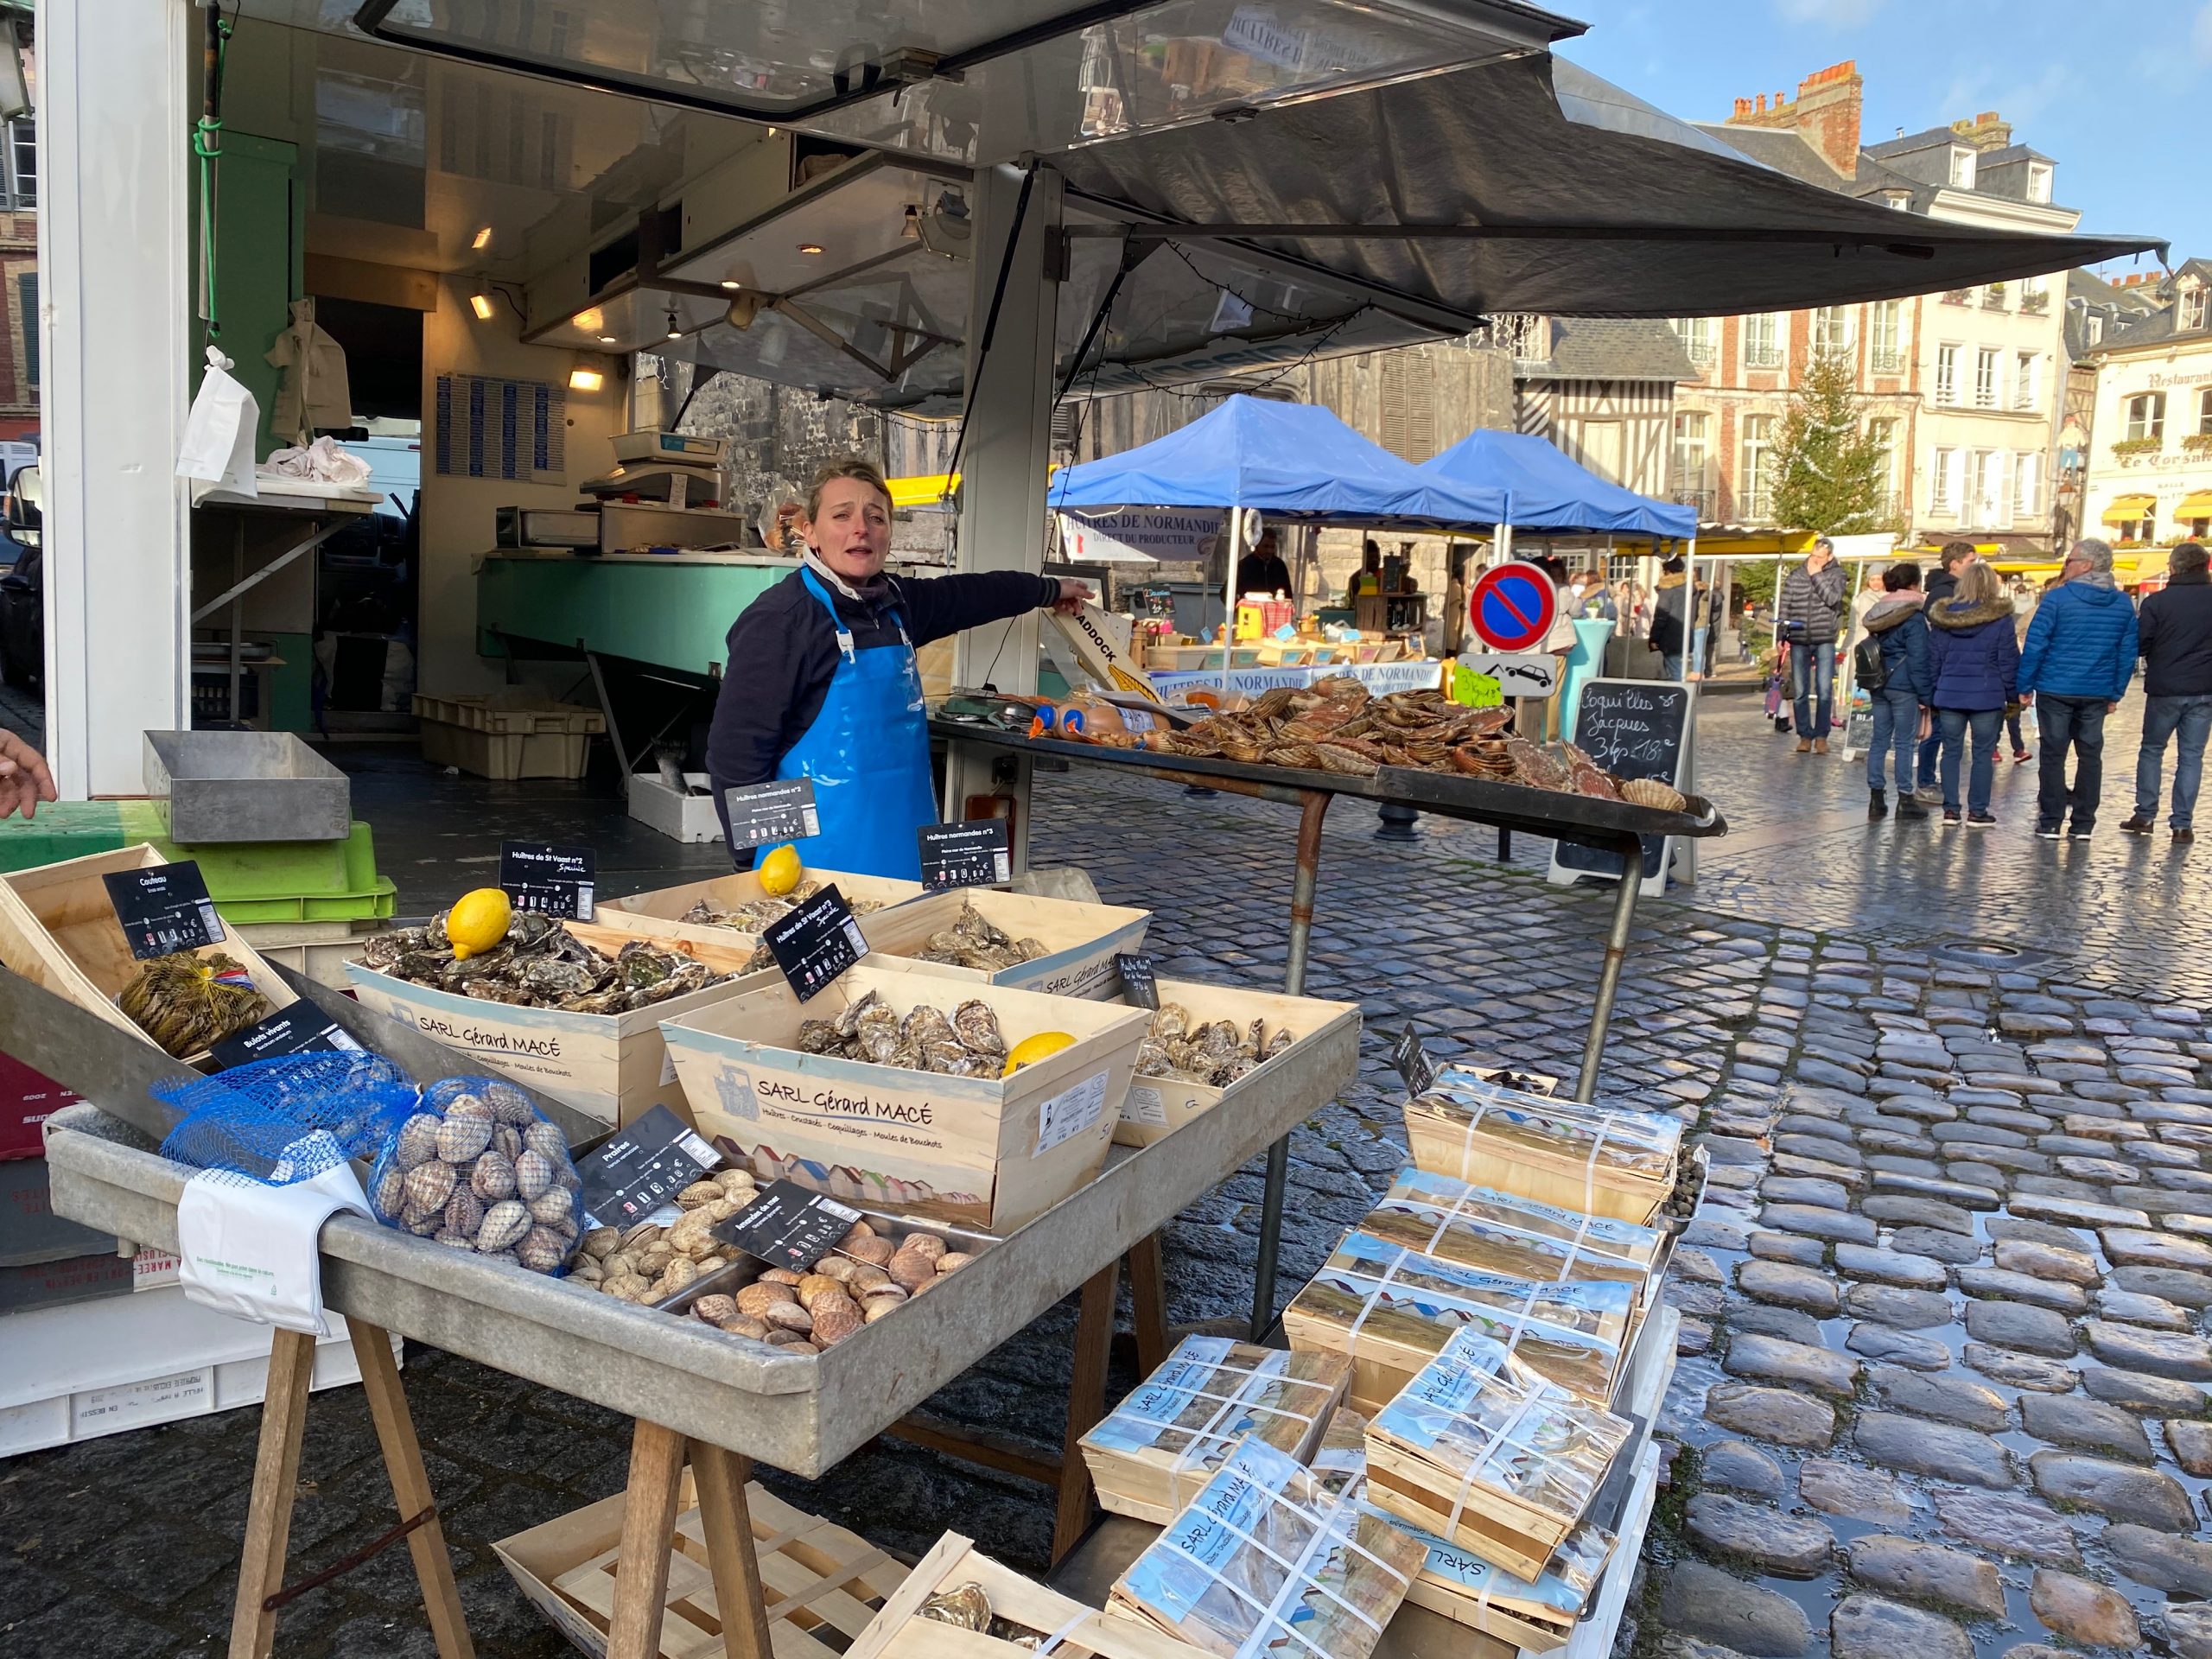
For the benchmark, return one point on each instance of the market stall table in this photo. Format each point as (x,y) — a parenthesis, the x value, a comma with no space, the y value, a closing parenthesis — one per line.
(1614,825)
(697,1395)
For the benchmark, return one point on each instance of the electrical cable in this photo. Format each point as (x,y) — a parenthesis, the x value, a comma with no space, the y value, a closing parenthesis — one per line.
(991,317)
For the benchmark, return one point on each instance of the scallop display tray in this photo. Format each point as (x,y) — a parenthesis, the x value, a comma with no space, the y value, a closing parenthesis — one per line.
(743,1272)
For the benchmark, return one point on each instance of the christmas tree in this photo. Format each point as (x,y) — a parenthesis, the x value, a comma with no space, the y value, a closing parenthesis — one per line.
(1830,472)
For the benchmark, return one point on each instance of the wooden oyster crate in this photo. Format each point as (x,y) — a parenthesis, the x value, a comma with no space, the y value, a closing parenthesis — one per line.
(59,931)
(1157,1106)
(898,1632)
(1080,940)
(822,1585)
(990,1153)
(658,914)
(1498,1232)
(1597,1160)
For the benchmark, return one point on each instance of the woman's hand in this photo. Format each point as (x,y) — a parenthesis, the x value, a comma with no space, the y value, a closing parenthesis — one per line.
(24,780)
(1074,595)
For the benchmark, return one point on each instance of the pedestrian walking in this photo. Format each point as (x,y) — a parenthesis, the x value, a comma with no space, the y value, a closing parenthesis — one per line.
(2175,629)
(2024,606)
(1895,668)
(2075,668)
(1670,616)
(1975,663)
(1943,586)
(1809,616)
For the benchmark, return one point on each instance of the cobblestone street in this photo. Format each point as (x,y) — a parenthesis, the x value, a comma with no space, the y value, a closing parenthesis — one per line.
(1944,1342)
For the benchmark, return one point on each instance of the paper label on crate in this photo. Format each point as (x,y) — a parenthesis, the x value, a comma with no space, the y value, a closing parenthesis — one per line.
(164,909)
(975,853)
(1470,1572)
(549,881)
(158,1399)
(302,1028)
(815,942)
(642,1167)
(1145,1106)
(788,1226)
(1069,1113)
(761,815)
(1413,1060)
(1138,982)
(1187,1562)
(1527,1214)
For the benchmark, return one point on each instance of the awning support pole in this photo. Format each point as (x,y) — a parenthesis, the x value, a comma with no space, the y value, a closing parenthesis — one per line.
(1313,805)
(1609,975)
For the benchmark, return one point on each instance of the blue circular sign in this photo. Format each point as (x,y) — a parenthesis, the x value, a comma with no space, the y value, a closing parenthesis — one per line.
(1512,607)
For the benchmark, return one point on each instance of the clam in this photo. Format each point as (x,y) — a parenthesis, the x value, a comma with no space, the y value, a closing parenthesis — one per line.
(757,1299)
(541,1249)
(910,1270)
(428,1186)
(391,1197)
(714,1309)
(876,1307)
(952,1261)
(873,1251)
(698,1193)
(504,1223)
(467,1105)
(789,1315)
(459,1139)
(834,1325)
(418,1140)
(924,1244)
(494,1176)
(533,1174)
(553,1207)
(538,1135)
(779,1276)
(745,1324)
(465,1212)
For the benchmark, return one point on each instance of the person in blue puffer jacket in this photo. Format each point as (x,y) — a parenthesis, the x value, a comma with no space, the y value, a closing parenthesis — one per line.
(1975,661)
(2075,667)
(1898,631)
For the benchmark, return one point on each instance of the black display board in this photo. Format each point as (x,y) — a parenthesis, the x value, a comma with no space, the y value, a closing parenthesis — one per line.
(302,1028)
(1633,728)
(549,881)
(164,908)
(977,854)
(817,942)
(763,814)
(788,1226)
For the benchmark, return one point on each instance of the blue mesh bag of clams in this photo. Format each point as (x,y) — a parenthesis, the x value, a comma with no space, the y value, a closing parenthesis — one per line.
(476,1167)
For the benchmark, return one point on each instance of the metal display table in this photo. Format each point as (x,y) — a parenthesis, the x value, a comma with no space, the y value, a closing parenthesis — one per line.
(1614,825)
(699,1395)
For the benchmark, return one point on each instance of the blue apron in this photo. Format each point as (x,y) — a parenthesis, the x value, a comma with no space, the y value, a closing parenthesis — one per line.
(868,754)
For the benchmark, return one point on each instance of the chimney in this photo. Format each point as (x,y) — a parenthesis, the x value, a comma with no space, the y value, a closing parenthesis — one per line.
(1762,103)
(1826,114)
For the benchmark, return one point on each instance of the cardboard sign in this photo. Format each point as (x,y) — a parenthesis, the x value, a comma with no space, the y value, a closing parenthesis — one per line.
(1471,690)
(1519,674)
(1413,1061)
(815,942)
(301,1028)
(1139,983)
(549,881)
(977,854)
(1100,657)
(638,1169)
(788,1226)
(761,815)
(164,908)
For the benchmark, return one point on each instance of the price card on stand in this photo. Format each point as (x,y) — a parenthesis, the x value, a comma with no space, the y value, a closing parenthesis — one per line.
(761,815)
(301,1028)
(164,908)
(1413,1061)
(977,853)
(815,942)
(1138,981)
(549,881)
(642,1167)
(788,1226)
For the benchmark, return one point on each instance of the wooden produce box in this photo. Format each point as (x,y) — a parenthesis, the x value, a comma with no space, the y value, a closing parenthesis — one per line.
(1391,1310)
(1480,1452)
(1157,1106)
(1156,1449)
(1597,1160)
(822,1584)
(612,1067)
(1080,940)
(1497,1232)
(1516,1614)
(898,1631)
(658,915)
(59,931)
(990,1153)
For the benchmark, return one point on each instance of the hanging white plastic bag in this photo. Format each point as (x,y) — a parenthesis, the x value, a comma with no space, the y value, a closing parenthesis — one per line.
(218,453)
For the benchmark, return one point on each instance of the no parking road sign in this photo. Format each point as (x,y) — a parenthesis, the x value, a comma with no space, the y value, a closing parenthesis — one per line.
(1512,605)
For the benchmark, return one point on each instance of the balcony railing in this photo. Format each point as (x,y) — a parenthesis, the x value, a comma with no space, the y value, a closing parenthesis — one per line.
(1885,360)
(1706,502)
(1958,296)
(1763,357)
(1701,353)
(1755,506)
(2035,303)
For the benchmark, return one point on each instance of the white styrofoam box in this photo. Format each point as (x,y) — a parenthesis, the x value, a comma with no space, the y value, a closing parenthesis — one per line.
(684,817)
(87,1368)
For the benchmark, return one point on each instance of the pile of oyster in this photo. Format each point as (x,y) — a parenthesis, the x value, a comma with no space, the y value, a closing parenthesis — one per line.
(967,1044)
(755,915)
(972,941)
(540,964)
(1215,1052)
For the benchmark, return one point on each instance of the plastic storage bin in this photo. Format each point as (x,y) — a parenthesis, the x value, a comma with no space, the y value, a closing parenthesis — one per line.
(514,735)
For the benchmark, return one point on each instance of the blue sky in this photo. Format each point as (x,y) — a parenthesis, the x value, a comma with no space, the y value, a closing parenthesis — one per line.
(1928,62)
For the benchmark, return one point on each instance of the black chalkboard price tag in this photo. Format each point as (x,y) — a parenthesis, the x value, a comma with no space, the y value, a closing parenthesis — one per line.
(977,853)
(788,1226)
(642,1167)
(1413,1061)
(301,1029)
(1632,728)
(763,814)
(1138,981)
(549,881)
(817,942)
(164,908)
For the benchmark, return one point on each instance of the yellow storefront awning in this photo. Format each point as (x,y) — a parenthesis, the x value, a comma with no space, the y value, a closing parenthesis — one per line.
(2129,507)
(2196,505)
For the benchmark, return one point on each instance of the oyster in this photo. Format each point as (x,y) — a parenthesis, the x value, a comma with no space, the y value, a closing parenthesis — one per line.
(966,1606)
(967,1044)
(977,1027)
(1215,1053)
(973,942)
(541,964)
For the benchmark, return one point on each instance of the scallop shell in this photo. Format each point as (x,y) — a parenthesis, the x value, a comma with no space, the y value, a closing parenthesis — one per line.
(459,1139)
(834,1325)
(504,1223)
(533,1174)
(470,1106)
(925,1244)
(952,1261)
(552,1207)
(542,1250)
(779,1276)
(910,1270)
(505,1141)
(697,1193)
(789,1315)
(1649,792)
(418,1140)
(390,1193)
(494,1176)
(814,1286)
(465,1213)
(875,1251)
(538,1135)
(745,1326)
(509,1105)
(428,1186)
(757,1299)
(714,1309)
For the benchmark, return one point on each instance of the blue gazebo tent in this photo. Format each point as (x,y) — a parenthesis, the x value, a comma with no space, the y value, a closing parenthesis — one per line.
(1546,490)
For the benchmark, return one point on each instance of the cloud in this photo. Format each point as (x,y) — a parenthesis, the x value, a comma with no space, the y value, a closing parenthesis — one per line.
(1835,14)
(2018,100)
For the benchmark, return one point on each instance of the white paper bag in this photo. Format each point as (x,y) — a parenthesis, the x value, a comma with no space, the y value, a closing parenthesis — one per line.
(218,453)
(249,1250)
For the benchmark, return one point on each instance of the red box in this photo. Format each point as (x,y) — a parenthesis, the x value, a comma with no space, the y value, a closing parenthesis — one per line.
(27,1098)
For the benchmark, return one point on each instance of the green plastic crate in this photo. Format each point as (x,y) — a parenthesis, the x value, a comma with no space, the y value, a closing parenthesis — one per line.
(293,881)
(62,829)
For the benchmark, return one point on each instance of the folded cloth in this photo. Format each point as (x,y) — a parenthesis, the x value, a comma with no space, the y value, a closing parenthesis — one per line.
(323,462)
(249,1250)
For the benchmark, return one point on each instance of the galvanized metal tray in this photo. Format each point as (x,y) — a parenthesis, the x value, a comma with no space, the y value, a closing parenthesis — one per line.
(224,786)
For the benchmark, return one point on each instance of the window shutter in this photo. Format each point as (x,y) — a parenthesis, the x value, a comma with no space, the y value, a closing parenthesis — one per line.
(1408,406)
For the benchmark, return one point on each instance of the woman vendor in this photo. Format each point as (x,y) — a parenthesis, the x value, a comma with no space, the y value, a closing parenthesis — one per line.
(821,682)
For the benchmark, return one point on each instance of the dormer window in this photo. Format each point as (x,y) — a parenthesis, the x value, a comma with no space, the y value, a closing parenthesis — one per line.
(1962,169)
(2093,327)
(2038,182)
(2192,307)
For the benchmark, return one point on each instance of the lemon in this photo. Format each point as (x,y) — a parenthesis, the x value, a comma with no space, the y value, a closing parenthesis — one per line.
(1029,1049)
(780,871)
(478,921)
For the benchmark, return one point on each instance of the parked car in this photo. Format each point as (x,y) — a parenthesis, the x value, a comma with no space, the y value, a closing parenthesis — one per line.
(23,589)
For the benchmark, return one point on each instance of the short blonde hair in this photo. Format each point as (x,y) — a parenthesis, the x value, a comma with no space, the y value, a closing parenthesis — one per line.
(852,467)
